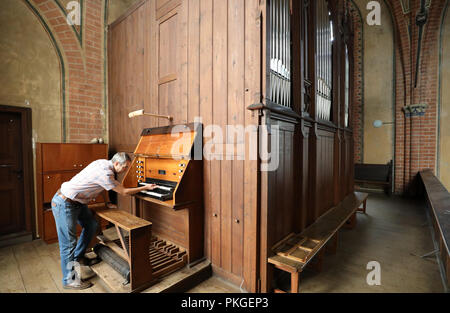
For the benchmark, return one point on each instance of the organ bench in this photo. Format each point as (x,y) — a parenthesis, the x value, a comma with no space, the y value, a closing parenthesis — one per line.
(134,264)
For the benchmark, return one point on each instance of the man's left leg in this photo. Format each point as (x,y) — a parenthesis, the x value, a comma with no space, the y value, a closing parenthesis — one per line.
(89,225)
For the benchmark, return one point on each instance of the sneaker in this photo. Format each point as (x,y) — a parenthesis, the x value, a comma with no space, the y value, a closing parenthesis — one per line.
(78,285)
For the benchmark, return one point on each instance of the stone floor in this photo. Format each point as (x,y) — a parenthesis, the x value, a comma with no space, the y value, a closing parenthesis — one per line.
(394,233)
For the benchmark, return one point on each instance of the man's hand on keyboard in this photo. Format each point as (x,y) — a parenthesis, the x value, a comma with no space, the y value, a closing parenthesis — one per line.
(151,187)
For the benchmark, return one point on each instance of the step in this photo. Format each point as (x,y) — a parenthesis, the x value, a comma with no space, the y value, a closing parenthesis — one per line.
(180,281)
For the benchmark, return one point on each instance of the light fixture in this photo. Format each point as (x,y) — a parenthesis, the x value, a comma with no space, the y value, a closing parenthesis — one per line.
(379,124)
(142,113)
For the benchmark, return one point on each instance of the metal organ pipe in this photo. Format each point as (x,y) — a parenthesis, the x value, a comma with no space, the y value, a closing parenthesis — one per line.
(324,74)
(280,52)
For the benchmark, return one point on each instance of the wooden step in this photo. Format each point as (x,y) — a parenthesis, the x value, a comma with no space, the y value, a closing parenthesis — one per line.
(112,279)
(178,281)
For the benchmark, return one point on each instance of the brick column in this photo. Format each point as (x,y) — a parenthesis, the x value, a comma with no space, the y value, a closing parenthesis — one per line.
(416,129)
(358,83)
(414,115)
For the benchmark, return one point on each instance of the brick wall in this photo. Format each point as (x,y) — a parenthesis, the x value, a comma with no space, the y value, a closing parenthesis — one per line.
(82,50)
(416,134)
(358,82)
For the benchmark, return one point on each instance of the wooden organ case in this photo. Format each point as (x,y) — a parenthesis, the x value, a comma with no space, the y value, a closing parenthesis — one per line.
(165,157)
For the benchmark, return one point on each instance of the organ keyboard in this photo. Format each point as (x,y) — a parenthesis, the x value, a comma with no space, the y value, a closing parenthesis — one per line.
(162,193)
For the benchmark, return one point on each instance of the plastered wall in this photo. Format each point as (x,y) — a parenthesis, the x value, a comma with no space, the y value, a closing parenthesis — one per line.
(117,7)
(378,81)
(29,69)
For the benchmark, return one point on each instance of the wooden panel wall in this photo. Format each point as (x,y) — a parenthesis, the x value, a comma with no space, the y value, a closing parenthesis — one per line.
(304,175)
(282,213)
(166,59)
(206,58)
(325,165)
(348,176)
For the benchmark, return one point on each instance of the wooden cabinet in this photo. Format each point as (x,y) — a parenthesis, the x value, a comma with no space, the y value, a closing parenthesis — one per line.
(70,157)
(50,183)
(58,163)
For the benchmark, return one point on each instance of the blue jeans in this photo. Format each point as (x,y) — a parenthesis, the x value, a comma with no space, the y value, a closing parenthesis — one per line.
(67,215)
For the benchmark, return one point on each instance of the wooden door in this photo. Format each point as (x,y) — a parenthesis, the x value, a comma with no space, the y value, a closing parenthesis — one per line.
(12,210)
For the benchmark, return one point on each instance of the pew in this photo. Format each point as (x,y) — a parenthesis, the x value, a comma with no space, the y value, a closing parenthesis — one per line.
(293,253)
(375,174)
(438,199)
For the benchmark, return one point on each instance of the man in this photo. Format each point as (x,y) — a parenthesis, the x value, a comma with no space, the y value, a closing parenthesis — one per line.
(69,206)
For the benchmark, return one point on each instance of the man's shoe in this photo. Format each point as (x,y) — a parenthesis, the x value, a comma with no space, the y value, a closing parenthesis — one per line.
(78,285)
(86,273)
(84,261)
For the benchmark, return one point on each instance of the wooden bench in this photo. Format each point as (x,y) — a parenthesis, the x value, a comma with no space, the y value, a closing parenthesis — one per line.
(439,204)
(295,252)
(374,174)
(134,234)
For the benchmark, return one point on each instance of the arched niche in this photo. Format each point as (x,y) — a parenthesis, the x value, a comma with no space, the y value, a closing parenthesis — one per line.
(30,70)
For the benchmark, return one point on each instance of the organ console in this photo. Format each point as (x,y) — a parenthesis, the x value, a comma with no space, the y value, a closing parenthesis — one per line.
(167,232)
(165,157)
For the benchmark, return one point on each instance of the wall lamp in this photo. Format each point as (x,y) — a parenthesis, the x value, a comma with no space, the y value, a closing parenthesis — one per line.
(142,113)
(378,123)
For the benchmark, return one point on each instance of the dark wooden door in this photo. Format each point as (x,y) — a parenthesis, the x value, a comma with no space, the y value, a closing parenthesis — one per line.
(11,174)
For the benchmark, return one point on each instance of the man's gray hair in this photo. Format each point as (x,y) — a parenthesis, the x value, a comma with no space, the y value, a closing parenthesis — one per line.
(121,157)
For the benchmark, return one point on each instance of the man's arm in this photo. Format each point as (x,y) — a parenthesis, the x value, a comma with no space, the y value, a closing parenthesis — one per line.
(121,190)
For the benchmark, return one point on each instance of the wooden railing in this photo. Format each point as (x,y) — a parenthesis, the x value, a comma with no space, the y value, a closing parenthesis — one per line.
(438,199)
